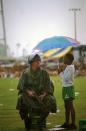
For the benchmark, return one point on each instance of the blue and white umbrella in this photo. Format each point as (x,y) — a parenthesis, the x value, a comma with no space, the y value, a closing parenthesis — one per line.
(56,47)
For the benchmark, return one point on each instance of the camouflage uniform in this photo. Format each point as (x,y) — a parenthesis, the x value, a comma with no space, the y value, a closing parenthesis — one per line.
(39,82)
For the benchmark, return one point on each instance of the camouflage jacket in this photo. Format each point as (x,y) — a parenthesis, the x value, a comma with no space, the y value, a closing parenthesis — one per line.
(39,81)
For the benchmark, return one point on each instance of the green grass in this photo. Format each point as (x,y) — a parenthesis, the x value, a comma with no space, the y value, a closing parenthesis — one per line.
(9,117)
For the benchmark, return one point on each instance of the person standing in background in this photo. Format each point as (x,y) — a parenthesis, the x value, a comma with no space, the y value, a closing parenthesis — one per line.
(68,93)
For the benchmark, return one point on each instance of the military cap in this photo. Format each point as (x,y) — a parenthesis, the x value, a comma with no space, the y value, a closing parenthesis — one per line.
(34,57)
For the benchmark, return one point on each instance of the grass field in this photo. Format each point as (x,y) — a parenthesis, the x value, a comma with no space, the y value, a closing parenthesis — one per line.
(9,117)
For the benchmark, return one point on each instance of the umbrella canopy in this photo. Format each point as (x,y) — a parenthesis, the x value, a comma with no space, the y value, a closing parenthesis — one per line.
(56,46)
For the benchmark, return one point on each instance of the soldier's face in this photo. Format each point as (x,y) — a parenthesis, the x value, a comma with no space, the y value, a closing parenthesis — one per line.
(36,64)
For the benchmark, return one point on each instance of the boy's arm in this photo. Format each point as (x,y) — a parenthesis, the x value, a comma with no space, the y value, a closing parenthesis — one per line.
(66,74)
(61,68)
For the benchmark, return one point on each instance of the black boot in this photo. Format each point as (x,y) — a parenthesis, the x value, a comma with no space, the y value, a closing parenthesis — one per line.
(27,122)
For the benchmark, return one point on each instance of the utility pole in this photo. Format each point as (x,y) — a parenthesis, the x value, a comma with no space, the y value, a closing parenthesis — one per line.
(74,10)
(3,24)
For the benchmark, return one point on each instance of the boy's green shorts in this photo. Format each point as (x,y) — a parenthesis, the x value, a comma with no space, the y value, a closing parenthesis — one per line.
(68,92)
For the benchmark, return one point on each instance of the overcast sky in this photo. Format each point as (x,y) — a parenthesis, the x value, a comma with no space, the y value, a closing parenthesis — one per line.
(30,21)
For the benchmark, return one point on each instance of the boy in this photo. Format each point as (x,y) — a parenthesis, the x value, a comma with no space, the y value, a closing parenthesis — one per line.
(68,93)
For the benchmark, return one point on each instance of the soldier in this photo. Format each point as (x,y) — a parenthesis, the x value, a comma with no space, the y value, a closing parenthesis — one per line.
(35,93)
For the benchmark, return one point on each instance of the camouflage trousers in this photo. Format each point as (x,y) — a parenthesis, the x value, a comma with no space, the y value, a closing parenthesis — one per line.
(31,105)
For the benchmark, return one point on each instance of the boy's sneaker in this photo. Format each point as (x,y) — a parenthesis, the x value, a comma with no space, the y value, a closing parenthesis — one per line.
(65,125)
(72,126)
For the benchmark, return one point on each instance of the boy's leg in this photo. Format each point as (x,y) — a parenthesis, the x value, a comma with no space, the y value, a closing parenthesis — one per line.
(67,110)
(72,125)
(67,113)
(72,113)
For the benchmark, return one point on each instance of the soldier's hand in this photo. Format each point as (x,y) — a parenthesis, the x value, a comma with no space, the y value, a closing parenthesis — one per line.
(30,93)
(43,95)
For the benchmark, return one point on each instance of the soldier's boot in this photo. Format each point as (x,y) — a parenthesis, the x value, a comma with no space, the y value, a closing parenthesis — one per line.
(27,122)
(42,126)
(42,122)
